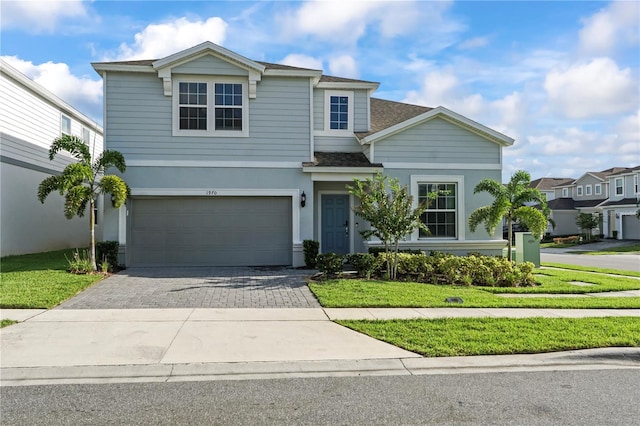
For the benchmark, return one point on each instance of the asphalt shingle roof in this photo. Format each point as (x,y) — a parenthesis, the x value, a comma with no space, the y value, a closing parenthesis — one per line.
(546,184)
(340,159)
(385,114)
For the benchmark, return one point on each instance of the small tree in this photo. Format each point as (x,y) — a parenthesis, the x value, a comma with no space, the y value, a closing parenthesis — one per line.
(587,222)
(509,205)
(390,211)
(81,182)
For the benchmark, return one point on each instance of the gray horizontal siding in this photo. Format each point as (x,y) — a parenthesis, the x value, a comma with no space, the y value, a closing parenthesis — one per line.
(139,123)
(438,141)
(332,144)
(25,154)
(360,119)
(318,109)
(209,65)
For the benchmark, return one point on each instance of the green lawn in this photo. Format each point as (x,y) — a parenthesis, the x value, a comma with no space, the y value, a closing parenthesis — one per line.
(591,269)
(632,249)
(39,280)
(498,336)
(353,293)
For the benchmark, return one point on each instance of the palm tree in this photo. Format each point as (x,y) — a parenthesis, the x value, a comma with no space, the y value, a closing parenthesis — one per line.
(81,182)
(509,205)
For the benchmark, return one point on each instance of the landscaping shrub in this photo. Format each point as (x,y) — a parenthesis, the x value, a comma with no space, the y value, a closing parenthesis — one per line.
(330,263)
(80,263)
(475,269)
(108,251)
(365,264)
(311,249)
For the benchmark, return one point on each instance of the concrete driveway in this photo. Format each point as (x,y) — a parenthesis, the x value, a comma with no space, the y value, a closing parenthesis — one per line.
(221,287)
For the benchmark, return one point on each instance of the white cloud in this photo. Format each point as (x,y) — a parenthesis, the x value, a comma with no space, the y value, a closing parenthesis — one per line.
(83,93)
(604,31)
(39,15)
(344,66)
(302,61)
(474,43)
(593,89)
(160,40)
(347,21)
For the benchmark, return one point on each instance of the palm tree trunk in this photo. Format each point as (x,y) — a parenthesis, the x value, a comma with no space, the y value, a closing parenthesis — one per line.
(92,231)
(510,238)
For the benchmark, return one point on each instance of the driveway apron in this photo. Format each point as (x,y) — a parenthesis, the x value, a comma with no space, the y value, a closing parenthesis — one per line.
(210,287)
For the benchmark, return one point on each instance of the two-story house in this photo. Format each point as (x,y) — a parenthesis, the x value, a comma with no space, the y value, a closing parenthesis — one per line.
(31,117)
(233,161)
(620,210)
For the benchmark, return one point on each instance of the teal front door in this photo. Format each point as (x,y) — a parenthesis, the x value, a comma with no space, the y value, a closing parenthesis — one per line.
(335,223)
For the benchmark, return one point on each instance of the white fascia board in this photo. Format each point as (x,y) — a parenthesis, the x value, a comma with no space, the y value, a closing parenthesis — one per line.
(220,164)
(22,79)
(101,68)
(353,170)
(343,85)
(293,73)
(450,116)
(207,48)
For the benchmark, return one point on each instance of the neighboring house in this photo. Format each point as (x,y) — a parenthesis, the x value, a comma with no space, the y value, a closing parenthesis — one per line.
(31,117)
(587,194)
(235,162)
(547,186)
(619,211)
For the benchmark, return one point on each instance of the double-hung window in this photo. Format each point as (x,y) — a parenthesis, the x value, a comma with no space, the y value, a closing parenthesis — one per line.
(338,111)
(579,191)
(619,185)
(587,190)
(65,125)
(210,107)
(635,184)
(598,189)
(565,192)
(441,214)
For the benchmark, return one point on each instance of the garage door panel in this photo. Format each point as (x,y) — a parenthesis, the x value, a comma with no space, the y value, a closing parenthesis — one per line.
(225,231)
(630,227)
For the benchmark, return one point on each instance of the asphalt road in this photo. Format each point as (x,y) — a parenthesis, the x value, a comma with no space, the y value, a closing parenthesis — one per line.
(625,262)
(594,397)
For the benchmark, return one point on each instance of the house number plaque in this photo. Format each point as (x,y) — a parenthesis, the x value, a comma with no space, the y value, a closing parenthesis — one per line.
(212,192)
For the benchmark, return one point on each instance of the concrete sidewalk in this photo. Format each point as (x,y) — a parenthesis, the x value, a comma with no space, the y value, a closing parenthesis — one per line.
(78,346)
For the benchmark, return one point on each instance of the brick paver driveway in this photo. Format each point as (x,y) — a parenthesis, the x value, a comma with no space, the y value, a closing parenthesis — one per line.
(237,287)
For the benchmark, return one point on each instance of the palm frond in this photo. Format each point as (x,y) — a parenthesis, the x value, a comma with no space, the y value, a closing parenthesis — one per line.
(76,200)
(47,186)
(73,145)
(110,159)
(114,185)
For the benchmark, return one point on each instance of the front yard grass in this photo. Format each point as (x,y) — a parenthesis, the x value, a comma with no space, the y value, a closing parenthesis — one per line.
(591,269)
(355,293)
(39,280)
(499,336)
(6,322)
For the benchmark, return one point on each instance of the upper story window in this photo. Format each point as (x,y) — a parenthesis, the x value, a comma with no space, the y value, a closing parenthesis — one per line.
(210,107)
(587,190)
(635,184)
(619,185)
(338,111)
(565,192)
(579,191)
(598,189)
(441,214)
(65,125)
(86,135)
(193,106)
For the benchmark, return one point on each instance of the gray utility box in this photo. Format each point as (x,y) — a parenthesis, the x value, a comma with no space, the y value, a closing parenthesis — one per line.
(527,248)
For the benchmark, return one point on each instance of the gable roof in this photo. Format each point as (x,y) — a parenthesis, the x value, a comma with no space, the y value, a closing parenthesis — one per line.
(548,184)
(626,171)
(389,118)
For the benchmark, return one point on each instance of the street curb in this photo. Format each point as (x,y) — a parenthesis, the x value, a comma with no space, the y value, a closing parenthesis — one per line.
(588,359)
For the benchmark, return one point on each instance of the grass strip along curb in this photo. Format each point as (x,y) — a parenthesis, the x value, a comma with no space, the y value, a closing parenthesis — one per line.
(501,336)
(591,269)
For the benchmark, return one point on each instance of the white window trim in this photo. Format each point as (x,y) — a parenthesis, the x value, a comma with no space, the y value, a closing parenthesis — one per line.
(565,192)
(62,118)
(636,184)
(615,187)
(598,189)
(327,112)
(210,132)
(588,190)
(460,207)
(579,191)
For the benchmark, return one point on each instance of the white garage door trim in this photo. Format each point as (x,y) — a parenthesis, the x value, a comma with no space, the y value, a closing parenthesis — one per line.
(235,192)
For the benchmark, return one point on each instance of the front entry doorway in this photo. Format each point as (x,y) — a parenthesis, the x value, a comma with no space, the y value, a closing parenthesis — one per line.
(335,223)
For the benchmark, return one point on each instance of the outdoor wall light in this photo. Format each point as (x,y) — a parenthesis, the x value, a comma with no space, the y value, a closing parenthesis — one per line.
(303,199)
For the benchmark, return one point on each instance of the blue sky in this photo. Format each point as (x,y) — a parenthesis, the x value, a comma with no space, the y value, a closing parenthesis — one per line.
(562,78)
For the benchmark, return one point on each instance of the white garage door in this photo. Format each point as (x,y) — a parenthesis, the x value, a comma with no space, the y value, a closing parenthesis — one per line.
(221,231)
(630,227)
